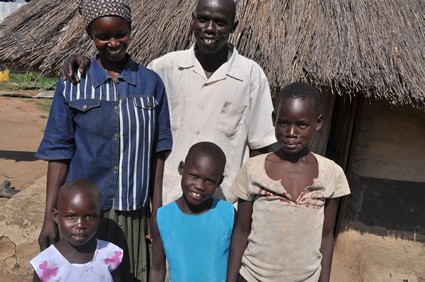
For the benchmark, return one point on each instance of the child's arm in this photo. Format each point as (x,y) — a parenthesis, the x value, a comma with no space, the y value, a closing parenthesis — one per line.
(157,271)
(327,247)
(239,239)
(56,173)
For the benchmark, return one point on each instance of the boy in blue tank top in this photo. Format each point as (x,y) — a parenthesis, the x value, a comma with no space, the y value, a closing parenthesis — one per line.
(193,233)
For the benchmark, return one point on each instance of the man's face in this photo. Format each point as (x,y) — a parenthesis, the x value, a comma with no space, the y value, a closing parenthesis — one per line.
(212,23)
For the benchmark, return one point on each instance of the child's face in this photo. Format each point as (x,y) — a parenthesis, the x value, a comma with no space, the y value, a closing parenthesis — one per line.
(111,36)
(200,177)
(295,124)
(77,217)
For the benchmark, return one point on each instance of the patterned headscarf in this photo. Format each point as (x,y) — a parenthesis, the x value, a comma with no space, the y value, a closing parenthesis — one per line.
(93,9)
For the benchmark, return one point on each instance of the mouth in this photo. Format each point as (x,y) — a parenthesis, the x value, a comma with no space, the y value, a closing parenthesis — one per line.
(79,237)
(115,52)
(196,195)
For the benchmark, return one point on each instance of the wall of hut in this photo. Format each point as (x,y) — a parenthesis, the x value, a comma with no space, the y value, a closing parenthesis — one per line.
(387,171)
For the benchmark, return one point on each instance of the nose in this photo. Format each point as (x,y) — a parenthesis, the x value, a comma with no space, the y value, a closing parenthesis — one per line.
(209,27)
(291,131)
(113,43)
(199,184)
(81,223)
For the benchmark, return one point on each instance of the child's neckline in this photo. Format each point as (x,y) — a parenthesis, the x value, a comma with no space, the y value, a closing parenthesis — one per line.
(81,264)
(214,204)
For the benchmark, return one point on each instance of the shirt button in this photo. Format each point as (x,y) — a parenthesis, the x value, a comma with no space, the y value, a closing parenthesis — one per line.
(84,107)
(149,105)
(115,168)
(116,136)
(116,108)
(197,132)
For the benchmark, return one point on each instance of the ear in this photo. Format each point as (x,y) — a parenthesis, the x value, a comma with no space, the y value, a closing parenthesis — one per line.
(319,122)
(55,216)
(273,118)
(181,168)
(221,181)
(235,25)
(89,32)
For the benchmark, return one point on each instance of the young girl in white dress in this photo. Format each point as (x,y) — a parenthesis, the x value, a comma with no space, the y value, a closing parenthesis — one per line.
(78,256)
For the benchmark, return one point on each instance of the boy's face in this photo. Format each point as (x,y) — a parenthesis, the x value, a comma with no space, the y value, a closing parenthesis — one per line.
(201,175)
(212,23)
(111,36)
(77,216)
(295,124)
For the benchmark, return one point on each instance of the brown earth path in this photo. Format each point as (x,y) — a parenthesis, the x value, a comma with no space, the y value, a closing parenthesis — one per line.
(357,257)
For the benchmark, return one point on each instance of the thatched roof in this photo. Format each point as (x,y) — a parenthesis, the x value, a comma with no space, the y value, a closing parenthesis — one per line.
(373,47)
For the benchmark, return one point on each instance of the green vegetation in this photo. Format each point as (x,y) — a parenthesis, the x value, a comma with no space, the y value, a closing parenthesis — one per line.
(32,80)
(44,105)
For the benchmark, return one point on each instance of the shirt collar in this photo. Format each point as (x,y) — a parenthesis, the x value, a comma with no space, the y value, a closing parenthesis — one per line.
(98,75)
(232,67)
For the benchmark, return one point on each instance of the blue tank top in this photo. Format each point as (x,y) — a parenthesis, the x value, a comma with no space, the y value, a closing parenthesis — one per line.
(197,246)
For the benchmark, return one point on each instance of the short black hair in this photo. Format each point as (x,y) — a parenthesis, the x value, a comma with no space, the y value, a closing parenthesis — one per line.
(210,150)
(79,185)
(303,91)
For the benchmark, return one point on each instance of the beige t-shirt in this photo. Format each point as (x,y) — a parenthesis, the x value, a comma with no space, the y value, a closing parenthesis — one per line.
(232,108)
(284,243)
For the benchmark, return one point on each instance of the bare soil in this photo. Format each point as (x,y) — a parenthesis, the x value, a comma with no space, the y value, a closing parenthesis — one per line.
(22,125)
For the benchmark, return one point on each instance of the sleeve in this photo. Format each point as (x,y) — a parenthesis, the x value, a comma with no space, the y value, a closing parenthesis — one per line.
(261,130)
(58,141)
(112,256)
(341,183)
(241,184)
(164,138)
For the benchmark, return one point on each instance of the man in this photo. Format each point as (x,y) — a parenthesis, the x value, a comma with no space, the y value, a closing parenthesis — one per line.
(214,95)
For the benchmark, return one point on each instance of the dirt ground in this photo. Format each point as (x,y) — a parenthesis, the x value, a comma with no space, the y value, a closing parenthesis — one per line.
(357,257)
(22,125)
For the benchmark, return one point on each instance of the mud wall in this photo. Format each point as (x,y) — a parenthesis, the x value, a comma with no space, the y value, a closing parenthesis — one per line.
(387,174)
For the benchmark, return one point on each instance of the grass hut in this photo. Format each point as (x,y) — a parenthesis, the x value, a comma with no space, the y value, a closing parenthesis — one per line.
(367,56)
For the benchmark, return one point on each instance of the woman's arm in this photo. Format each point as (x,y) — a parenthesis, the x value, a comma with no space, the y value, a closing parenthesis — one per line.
(56,173)
(327,247)
(157,271)
(239,239)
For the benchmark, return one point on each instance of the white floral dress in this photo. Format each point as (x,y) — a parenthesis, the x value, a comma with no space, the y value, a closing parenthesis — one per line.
(50,265)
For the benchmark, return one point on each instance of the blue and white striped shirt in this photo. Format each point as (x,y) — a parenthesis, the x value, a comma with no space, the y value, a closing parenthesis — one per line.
(109,131)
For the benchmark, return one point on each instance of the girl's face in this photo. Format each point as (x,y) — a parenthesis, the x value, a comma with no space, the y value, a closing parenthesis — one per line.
(77,217)
(295,124)
(111,36)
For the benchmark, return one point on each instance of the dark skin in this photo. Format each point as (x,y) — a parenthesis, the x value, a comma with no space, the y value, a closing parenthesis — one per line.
(296,167)
(201,175)
(77,215)
(212,23)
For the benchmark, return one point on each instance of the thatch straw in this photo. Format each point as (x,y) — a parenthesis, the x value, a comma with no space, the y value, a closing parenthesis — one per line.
(373,47)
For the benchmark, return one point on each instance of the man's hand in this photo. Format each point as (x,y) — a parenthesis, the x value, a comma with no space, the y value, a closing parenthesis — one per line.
(49,234)
(70,66)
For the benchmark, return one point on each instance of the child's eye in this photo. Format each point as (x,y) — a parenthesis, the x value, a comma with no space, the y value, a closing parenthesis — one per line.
(281,123)
(303,125)
(194,176)
(91,216)
(70,216)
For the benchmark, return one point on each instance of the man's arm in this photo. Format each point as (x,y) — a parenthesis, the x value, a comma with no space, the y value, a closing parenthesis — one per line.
(268,149)
(70,66)
(157,271)
(327,247)
(239,239)
(56,173)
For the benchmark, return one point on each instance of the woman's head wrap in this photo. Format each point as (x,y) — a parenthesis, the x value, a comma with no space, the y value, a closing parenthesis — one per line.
(93,9)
